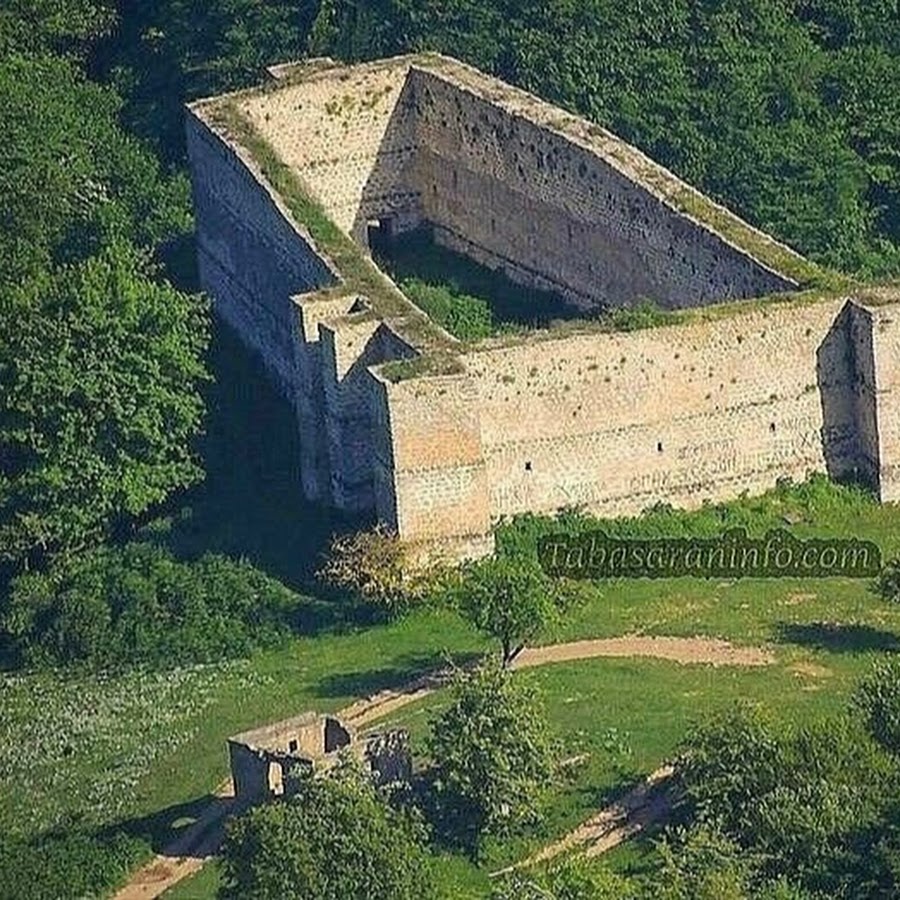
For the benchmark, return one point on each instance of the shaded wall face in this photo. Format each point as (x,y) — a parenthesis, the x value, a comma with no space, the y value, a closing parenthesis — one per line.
(514,195)
(250,258)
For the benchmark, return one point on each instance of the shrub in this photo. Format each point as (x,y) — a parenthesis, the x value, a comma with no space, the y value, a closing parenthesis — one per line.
(139,605)
(888,584)
(71,863)
(335,839)
(877,698)
(575,878)
(376,567)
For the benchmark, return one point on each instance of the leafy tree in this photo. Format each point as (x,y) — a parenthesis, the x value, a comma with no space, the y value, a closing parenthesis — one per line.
(99,372)
(72,181)
(172,51)
(493,754)
(138,605)
(61,26)
(877,698)
(803,805)
(334,839)
(510,599)
(888,583)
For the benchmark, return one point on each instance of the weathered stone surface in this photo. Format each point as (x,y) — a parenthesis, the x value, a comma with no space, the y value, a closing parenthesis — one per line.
(701,410)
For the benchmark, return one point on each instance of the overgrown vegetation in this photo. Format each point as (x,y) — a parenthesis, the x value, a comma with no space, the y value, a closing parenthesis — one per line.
(137,605)
(379,569)
(493,755)
(335,838)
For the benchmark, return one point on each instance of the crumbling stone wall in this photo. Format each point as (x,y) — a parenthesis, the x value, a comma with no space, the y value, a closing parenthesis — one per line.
(697,411)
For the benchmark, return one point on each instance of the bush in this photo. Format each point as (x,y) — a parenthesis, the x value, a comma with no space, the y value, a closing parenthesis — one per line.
(376,567)
(575,878)
(888,584)
(139,605)
(73,863)
(878,699)
(335,839)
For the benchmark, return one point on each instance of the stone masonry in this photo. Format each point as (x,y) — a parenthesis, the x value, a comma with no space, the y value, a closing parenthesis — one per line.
(439,439)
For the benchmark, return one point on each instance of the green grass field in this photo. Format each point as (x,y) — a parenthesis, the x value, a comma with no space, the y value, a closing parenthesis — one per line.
(142,752)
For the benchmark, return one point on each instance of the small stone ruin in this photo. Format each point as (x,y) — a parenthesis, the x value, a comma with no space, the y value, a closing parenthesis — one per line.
(268,761)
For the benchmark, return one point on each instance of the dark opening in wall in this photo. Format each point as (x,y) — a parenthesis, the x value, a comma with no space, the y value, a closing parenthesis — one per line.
(772,427)
(659,447)
(380,234)
(528,466)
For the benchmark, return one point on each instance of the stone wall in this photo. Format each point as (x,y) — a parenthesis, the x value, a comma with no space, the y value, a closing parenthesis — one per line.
(615,422)
(251,256)
(519,196)
(351,139)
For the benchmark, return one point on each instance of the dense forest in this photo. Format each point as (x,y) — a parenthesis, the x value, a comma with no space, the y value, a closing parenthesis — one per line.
(788,111)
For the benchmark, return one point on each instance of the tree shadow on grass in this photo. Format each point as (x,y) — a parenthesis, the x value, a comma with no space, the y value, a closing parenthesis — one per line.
(251,504)
(837,637)
(193,829)
(407,668)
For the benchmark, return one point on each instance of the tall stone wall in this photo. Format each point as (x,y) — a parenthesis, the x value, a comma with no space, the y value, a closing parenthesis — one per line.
(612,421)
(618,422)
(516,195)
(251,256)
(884,396)
(351,139)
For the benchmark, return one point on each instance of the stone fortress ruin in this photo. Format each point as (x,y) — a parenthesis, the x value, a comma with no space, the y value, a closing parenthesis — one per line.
(266,762)
(438,438)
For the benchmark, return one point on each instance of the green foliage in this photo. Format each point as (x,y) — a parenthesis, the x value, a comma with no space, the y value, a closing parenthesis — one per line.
(702,864)
(645,314)
(575,878)
(801,805)
(139,606)
(69,27)
(168,52)
(335,839)
(71,180)
(510,599)
(470,300)
(493,754)
(73,862)
(816,500)
(888,585)
(878,700)
(99,402)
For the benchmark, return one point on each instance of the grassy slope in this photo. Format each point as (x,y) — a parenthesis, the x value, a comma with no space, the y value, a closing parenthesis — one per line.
(627,714)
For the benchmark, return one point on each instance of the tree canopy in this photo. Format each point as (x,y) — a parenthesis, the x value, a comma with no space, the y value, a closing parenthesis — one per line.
(99,368)
(335,839)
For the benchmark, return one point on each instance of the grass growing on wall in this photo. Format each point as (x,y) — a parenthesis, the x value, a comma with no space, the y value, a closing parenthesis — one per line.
(470,300)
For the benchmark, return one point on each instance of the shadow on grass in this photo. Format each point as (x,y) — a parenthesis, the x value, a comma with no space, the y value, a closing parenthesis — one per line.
(837,637)
(407,668)
(251,503)
(193,829)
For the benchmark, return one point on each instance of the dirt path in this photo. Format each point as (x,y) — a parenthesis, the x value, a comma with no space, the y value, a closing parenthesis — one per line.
(643,805)
(609,827)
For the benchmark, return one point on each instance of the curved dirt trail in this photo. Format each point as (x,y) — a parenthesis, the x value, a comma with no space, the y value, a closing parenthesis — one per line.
(609,827)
